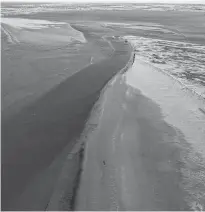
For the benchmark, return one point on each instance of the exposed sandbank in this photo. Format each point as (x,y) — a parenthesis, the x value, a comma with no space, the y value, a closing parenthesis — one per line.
(34,137)
(145,150)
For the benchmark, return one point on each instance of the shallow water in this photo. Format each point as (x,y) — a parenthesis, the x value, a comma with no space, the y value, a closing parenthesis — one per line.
(184,61)
(56,7)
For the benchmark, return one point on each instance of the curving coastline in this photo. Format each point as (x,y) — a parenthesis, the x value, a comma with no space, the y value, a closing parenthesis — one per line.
(75,159)
(142,139)
(74,121)
(33,153)
(174,68)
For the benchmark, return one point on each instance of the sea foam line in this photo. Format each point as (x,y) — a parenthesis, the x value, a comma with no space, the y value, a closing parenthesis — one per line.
(133,39)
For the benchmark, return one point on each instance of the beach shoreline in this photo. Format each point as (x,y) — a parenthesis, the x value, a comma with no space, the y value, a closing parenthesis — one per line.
(134,147)
(67,201)
(89,114)
(51,128)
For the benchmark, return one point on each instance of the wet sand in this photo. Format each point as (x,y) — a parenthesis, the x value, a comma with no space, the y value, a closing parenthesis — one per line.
(141,154)
(40,130)
(34,137)
(30,68)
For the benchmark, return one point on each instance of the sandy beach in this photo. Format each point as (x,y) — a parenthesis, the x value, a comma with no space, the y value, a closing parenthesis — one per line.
(87,126)
(51,123)
(34,136)
(138,158)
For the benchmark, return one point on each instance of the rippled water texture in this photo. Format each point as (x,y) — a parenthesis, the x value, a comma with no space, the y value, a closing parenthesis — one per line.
(184,61)
(35,8)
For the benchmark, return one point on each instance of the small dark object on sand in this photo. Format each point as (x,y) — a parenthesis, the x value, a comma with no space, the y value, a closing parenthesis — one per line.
(104,163)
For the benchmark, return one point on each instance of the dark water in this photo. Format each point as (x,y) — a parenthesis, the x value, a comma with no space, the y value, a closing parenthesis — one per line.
(34,137)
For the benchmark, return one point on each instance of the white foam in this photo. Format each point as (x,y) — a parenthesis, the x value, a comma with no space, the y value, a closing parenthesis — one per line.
(57,7)
(185,62)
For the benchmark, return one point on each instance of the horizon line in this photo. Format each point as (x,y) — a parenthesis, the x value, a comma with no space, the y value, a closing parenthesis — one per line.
(105,2)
